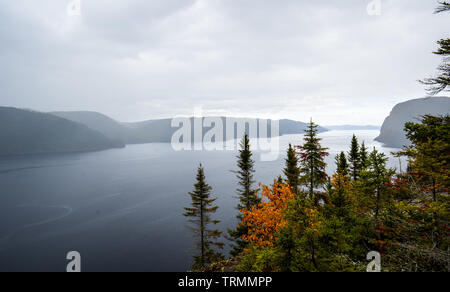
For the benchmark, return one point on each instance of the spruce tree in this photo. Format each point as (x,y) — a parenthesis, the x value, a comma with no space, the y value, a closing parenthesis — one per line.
(341,163)
(200,217)
(377,177)
(363,156)
(279,180)
(353,158)
(442,81)
(312,160)
(246,194)
(337,193)
(292,171)
(428,157)
(443,6)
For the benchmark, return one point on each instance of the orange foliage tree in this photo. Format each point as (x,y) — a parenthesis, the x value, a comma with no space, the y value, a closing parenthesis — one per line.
(265,220)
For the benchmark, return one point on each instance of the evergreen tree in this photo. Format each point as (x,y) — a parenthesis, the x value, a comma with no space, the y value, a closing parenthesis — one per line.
(292,171)
(378,175)
(279,180)
(428,158)
(404,216)
(442,81)
(353,158)
(443,6)
(200,217)
(246,194)
(363,156)
(430,151)
(312,160)
(342,164)
(340,185)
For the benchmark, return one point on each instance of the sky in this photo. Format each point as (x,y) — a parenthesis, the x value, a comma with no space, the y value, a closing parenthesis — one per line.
(298,59)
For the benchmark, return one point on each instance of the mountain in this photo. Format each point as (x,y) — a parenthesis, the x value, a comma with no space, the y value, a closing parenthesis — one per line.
(156,131)
(161,130)
(392,132)
(352,127)
(100,123)
(289,127)
(29,132)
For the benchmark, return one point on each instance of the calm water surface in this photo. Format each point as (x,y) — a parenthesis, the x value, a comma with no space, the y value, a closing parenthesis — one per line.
(121,209)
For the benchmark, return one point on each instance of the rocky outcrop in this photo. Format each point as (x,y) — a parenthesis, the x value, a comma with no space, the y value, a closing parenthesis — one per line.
(392,132)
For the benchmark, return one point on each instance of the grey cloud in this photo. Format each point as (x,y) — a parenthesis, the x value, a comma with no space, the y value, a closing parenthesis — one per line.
(144,59)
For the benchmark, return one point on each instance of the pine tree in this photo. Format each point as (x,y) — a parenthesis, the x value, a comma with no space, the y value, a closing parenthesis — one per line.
(353,158)
(312,160)
(292,171)
(339,186)
(342,164)
(279,180)
(200,217)
(428,158)
(246,193)
(363,156)
(442,81)
(430,151)
(443,6)
(378,175)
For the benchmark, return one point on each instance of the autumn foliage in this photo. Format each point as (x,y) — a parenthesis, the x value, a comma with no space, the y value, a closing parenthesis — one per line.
(266,219)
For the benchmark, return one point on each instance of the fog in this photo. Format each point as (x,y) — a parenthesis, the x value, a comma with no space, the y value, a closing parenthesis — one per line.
(137,60)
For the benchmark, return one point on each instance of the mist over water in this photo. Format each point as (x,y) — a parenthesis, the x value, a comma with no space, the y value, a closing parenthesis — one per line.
(122,208)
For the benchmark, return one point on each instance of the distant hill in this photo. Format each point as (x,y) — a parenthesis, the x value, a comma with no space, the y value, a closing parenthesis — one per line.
(29,132)
(352,127)
(289,127)
(392,132)
(101,123)
(161,130)
(155,131)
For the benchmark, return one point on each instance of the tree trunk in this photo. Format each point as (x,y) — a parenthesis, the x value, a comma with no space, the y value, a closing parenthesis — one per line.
(202,234)
(434,236)
(313,257)
(311,186)
(247,190)
(377,209)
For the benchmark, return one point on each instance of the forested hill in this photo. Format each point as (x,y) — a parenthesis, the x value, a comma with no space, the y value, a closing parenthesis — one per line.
(101,123)
(158,130)
(392,134)
(29,132)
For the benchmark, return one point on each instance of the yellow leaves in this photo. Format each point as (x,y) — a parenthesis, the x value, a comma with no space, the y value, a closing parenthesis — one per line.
(313,221)
(341,182)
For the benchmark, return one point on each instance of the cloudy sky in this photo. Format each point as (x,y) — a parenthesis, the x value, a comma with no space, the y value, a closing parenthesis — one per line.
(141,59)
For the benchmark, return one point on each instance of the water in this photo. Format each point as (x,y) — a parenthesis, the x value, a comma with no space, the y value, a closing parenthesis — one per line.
(121,208)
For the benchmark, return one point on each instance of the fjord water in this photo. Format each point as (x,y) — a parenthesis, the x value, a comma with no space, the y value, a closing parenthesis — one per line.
(122,208)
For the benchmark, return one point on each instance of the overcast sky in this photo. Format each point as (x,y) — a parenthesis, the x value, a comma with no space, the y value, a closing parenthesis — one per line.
(142,59)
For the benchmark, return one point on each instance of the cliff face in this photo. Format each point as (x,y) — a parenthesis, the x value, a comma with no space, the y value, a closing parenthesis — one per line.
(28,132)
(392,132)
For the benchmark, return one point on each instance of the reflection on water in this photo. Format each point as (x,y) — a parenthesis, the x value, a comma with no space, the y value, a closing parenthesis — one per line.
(121,208)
